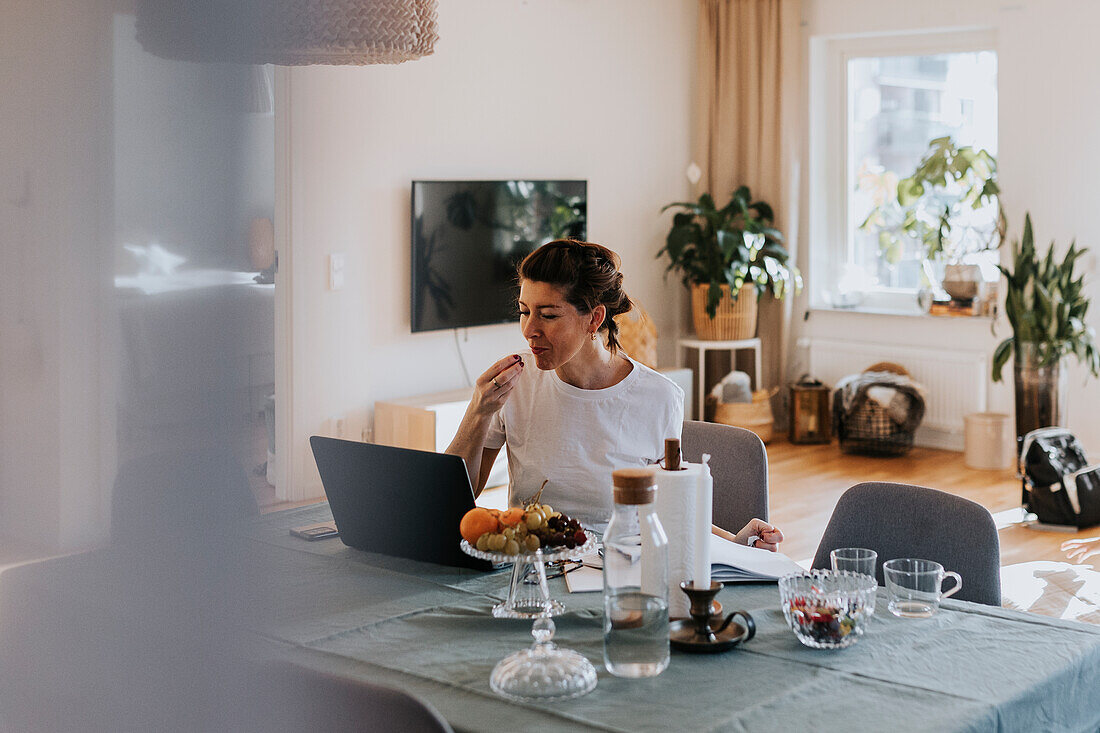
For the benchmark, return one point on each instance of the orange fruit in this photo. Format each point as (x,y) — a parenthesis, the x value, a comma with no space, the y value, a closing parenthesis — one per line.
(511,517)
(477,522)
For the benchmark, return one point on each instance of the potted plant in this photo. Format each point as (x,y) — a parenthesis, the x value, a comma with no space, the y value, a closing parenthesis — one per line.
(728,257)
(1046,307)
(949,206)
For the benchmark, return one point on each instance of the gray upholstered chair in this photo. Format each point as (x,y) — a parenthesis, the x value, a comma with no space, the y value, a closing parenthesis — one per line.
(739,466)
(900,520)
(296,698)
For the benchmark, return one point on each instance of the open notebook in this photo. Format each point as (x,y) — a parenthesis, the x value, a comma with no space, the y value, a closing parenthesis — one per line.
(730,563)
(734,563)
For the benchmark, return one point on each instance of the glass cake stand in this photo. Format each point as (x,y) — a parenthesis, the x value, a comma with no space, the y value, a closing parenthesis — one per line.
(542,672)
(530,601)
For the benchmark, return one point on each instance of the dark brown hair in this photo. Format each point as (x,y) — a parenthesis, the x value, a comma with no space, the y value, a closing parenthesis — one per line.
(588,275)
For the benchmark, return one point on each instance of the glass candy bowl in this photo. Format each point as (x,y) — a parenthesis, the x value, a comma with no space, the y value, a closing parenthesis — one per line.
(530,600)
(827,609)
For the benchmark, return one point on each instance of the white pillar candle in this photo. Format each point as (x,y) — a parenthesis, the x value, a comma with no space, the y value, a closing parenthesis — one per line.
(704,497)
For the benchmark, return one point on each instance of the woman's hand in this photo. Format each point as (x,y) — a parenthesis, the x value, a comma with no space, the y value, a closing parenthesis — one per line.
(493,387)
(768,535)
(490,394)
(1081,550)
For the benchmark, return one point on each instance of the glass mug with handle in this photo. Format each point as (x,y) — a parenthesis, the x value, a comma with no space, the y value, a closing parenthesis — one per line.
(915,586)
(857,560)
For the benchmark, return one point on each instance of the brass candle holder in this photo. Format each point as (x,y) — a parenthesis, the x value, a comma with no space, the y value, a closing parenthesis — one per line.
(707,632)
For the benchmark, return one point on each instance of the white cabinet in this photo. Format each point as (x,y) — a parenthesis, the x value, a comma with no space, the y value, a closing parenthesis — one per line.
(429,422)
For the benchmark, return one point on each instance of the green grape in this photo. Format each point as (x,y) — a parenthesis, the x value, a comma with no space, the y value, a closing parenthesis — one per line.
(511,548)
(497,542)
(532,542)
(547,509)
(483,542)
(533,519)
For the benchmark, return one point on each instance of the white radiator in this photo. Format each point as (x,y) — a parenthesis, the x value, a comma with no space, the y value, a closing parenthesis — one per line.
(956,383)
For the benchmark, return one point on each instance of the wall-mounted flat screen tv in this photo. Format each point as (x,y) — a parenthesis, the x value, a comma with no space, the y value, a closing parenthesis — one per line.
(468,237)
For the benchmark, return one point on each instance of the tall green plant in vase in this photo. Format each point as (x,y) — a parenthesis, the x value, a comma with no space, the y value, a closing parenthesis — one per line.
(728,257)
(1046,307)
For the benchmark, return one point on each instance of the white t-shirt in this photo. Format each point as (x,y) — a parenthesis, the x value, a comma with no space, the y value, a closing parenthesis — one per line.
(578,437)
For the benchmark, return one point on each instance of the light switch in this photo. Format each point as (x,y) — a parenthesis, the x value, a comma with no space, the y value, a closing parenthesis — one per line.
(335,271)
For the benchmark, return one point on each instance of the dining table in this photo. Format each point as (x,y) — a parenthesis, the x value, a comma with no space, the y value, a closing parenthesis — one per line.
(429,630)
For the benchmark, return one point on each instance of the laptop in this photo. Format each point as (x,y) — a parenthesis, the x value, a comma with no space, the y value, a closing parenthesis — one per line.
(397,501)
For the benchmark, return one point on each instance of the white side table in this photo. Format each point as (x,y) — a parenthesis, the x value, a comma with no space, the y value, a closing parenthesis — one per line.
(703,346)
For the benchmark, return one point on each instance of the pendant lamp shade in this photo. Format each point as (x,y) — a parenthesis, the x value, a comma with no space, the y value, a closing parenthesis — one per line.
(288,32)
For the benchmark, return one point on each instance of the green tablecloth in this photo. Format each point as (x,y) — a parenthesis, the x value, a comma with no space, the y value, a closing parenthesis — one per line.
(428,629)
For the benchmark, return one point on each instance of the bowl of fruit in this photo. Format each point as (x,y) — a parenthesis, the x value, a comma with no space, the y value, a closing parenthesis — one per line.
(518,531)
(528,537)
(827,609)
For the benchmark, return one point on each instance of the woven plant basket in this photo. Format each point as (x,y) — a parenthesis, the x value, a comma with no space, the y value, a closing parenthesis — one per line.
(638,336)
(755,416)
(733,321)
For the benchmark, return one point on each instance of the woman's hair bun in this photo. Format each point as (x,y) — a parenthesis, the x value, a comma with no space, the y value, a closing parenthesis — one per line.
(589,276)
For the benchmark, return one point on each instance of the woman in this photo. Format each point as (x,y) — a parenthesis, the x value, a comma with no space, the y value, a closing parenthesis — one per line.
(575,408)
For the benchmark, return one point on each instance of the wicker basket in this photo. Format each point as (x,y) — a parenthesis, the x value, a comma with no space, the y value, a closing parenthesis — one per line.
(638,336)
(870,430)
(734,320)
(755,416)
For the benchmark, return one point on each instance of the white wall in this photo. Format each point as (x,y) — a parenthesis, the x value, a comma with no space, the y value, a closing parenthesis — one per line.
(1049,153)
(595,89)
(56,392)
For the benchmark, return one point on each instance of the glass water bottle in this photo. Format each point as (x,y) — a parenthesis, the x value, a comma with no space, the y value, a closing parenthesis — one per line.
(635,580)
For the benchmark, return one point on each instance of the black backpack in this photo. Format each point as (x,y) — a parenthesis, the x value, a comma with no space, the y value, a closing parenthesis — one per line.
(1059,485)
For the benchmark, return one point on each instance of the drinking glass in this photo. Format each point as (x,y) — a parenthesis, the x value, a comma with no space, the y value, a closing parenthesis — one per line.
(916,586)
(856,560)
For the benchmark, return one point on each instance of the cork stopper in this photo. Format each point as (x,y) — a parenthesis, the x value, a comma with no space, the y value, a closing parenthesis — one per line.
(635,485)
(672,454)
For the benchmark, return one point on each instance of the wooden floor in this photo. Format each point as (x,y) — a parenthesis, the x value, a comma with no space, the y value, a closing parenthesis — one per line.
(806,482)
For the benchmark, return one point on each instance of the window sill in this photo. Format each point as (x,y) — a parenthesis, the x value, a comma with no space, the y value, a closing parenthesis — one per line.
(913,312)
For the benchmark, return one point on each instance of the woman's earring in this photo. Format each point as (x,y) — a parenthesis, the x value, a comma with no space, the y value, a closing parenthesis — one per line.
(593,335)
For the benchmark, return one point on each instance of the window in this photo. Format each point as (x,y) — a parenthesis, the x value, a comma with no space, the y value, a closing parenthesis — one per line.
(877,103)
